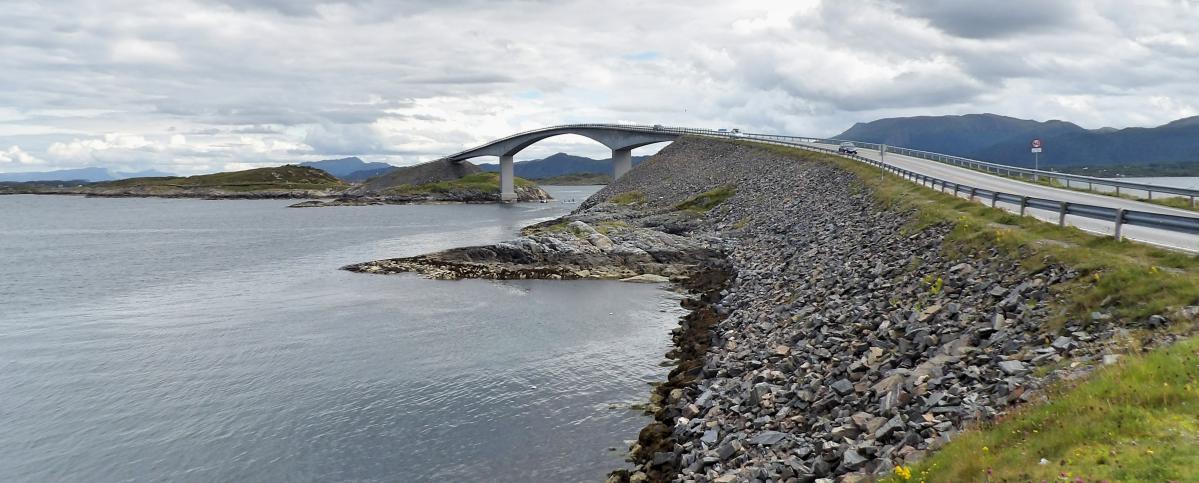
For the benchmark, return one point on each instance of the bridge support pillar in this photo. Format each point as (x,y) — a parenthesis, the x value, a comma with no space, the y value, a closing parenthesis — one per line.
(622,162)
(507,179)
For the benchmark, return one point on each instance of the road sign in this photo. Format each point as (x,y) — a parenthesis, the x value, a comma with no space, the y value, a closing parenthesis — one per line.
(1036,145)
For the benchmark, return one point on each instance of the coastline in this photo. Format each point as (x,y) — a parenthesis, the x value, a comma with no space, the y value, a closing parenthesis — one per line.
(826,337)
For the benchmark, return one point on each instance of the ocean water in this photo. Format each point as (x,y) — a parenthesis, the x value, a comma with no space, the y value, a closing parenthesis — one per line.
(191,340)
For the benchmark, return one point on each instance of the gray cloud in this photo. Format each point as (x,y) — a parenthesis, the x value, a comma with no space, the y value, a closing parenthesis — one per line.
(187,86)
(982,19)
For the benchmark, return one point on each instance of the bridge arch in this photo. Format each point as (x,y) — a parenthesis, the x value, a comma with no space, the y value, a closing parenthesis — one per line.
(620,139)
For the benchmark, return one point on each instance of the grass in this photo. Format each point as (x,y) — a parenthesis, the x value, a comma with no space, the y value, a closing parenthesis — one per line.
(1137,421)
(282,177)
(480,182)
(704,202)
(628,198)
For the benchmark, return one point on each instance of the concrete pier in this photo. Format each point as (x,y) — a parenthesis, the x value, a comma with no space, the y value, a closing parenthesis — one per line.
(622,162)
(507,179)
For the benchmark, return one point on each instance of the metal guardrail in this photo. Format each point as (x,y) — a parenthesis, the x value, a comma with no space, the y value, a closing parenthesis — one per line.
(1013,171)
(1118,216)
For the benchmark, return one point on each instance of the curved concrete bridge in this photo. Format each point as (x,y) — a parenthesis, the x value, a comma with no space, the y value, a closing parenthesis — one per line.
(621,139)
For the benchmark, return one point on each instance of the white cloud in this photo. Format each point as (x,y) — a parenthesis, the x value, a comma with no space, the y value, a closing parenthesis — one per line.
(15,159)
(203,85)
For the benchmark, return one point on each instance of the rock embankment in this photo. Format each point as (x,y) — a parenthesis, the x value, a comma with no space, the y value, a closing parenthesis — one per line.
(827,339)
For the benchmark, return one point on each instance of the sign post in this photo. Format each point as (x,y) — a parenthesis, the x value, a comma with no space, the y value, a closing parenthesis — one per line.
(1036,159)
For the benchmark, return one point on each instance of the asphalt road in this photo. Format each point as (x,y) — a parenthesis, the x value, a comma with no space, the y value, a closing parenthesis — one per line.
(987,181)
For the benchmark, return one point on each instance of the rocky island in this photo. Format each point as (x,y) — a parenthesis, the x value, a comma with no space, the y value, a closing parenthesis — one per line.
(435,181)
(834,332)
(432,182)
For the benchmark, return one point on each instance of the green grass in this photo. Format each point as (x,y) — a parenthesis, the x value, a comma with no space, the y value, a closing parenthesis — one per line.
(628,198)
(1135,421)
(705,201)
(1138,421)
(282,177)
(479,182)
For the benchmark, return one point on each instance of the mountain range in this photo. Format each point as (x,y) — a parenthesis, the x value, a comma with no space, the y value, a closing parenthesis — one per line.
(559,164)
(1006,140)
(91,174)
(350,169)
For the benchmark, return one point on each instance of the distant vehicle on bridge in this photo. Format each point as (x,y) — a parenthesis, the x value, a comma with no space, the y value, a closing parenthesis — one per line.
(658,127)
(847,148)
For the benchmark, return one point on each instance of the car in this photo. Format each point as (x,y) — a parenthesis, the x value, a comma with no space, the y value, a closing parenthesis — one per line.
(847,148)
(657,127)
(722,130)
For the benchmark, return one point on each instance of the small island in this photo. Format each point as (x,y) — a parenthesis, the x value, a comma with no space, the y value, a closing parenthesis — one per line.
(438,181)
(433,182)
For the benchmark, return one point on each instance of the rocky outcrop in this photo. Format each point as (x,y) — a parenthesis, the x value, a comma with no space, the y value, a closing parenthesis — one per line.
(564,250)
(827,337)
(523,193)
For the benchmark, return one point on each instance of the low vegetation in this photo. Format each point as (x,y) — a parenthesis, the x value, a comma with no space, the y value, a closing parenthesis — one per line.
(478,182)
(628,198)
(1138,421)
(1135,421)
(282,177)
(705,201)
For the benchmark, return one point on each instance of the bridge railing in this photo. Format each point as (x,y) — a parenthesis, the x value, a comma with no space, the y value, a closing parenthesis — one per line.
(1014,171)
(1118,217)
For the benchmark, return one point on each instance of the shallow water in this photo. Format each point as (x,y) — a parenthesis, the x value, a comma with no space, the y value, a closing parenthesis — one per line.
(190,340)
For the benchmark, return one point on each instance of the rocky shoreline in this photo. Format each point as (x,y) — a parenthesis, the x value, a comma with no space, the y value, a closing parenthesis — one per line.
(464,196)
(826,338)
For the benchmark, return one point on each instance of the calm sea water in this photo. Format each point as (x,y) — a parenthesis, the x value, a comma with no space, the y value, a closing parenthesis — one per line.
(189,340)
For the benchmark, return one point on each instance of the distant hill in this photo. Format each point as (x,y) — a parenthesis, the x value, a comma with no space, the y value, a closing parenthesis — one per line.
(345,167)
(957,135)
(365,174)
(1005,140)
(558,165)
(281,177)
(420,174)
(91,174)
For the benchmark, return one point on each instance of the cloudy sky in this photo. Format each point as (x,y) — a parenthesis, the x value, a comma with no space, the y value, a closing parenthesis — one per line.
(192,87)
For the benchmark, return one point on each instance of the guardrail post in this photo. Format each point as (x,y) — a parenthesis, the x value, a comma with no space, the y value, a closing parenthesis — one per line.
(1023,204)
(1150,194)
(1192,202)
(1117,191)
(1119,224)
(1061,214)
(972,191)
(955,190)
(994,198)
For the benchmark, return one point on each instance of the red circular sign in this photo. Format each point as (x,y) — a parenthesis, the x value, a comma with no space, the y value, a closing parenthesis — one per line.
(1036,143)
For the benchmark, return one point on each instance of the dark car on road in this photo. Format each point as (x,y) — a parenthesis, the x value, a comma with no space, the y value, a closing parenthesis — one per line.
(847,148)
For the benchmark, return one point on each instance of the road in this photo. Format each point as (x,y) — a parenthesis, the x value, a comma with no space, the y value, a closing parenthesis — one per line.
(988,181)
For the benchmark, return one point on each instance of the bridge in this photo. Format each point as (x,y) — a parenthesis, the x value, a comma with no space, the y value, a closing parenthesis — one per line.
(621,139)
(1001,186)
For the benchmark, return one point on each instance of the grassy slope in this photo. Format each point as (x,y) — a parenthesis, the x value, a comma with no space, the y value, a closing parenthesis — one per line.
(481,182)
(282,177)
(1134,421)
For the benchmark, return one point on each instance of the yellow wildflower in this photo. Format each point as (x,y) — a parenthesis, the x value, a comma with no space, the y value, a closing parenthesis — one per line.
(903,472)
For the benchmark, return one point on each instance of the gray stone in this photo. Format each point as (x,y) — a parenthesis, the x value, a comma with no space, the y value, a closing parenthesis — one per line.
(1012,367)
(767,438)
(842,387)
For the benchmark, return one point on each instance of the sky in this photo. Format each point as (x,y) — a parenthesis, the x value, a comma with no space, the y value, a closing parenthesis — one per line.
(193,87)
